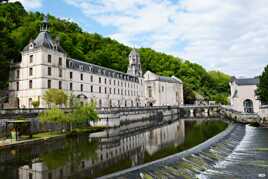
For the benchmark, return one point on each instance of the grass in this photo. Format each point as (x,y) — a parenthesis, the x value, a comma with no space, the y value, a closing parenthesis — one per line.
(262,149)
(76,131)
(47,135)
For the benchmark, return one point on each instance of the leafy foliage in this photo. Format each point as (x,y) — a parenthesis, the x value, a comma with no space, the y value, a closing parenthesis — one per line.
(262,89)
(84,112)
(36,104)
(54,115)
(55,96)
(17,27)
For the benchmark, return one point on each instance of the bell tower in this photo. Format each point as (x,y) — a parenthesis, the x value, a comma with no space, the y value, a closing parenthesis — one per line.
(134,66)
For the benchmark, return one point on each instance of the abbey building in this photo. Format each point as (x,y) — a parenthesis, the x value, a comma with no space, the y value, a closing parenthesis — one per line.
(45,65)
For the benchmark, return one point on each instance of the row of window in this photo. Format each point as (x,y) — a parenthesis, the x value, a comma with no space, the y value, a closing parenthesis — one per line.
(49,59)
(106,90)
(49,72)
(105,81)
(90,68)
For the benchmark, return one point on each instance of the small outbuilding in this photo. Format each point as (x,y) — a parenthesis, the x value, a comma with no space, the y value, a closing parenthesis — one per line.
(18,128)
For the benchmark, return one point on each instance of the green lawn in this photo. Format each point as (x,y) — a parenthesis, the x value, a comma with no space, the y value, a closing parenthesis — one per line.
(76,130)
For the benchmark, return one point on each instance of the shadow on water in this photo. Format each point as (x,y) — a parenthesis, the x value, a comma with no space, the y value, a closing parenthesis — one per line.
(105,152)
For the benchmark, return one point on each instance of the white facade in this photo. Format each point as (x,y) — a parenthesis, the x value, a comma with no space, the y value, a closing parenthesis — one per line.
(243,95)
(45,65)
(162,91)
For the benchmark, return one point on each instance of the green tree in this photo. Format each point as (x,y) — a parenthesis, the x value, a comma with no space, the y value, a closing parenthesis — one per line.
(36,104)
(188,94)
(83,113)
(262,88)
(55,96)
(54,115)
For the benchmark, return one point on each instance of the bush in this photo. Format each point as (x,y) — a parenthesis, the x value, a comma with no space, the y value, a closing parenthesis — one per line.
(36,104)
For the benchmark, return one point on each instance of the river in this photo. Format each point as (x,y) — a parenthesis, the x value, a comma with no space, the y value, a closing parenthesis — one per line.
(98,154)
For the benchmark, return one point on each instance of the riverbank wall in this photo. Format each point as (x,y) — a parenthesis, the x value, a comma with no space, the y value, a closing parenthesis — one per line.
(115,118)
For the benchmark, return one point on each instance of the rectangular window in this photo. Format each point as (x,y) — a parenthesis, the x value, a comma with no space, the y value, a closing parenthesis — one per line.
(81,87)
(105,90)
(60,73)
(17,86)
(71,75)
(71,86)
(48,83)
(91,78)
(114,82)
(99,79)
(60,61)
(30,71)
(49,71)
(100,89)
(114,90)
(30,84)
(105,81)
(81,77)
(149,91)
(162,88)
(49,58)
(60,85)
(91,89)
(18,73)
(31,58)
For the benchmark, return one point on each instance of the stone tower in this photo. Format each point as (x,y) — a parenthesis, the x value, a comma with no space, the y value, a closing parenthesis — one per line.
(134,66)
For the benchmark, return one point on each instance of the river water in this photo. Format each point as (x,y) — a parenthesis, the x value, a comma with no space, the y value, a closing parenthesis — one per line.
(98,154)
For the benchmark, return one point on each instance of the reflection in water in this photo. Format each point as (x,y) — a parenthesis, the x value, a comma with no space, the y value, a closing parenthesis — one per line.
(104,152)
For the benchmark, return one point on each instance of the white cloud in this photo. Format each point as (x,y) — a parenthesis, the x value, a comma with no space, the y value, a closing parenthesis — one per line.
(229,35)
(30,4)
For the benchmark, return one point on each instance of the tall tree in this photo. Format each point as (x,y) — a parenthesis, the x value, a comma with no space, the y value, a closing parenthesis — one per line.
(56,97)
(262,88)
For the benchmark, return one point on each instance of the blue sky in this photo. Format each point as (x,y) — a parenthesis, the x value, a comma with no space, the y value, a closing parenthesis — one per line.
(226,35)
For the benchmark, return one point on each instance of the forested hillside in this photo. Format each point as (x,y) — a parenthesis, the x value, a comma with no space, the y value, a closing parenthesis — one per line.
(17,27)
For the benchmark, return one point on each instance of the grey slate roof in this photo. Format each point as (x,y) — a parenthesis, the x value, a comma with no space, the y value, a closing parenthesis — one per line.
(44,40)
(169,79)
(246,81)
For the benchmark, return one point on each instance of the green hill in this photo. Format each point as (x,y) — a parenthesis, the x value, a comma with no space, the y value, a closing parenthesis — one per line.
(17,27)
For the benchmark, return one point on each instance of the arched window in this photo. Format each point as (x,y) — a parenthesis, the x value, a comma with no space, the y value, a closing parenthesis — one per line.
(248,106)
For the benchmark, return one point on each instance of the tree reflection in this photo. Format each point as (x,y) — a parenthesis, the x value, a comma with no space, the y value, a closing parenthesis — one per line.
(74,150)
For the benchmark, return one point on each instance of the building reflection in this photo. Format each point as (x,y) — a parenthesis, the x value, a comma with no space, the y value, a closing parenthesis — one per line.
(116,149)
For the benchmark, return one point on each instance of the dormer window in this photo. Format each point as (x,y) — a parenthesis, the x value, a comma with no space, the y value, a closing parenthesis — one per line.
(31,46)
(81,67)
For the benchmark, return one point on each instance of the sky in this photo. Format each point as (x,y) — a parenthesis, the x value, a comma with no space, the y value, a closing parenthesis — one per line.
(225,35)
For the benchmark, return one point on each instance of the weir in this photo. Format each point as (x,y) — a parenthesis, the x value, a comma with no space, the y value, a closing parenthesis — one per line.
(238,152)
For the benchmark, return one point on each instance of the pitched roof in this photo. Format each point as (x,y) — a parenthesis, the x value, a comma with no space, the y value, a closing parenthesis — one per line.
(246,81)
(44,40)
(134,52)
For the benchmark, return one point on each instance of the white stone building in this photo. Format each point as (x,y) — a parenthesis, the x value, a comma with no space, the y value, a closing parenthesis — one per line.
(243,95)
(162,91)
(45,65)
